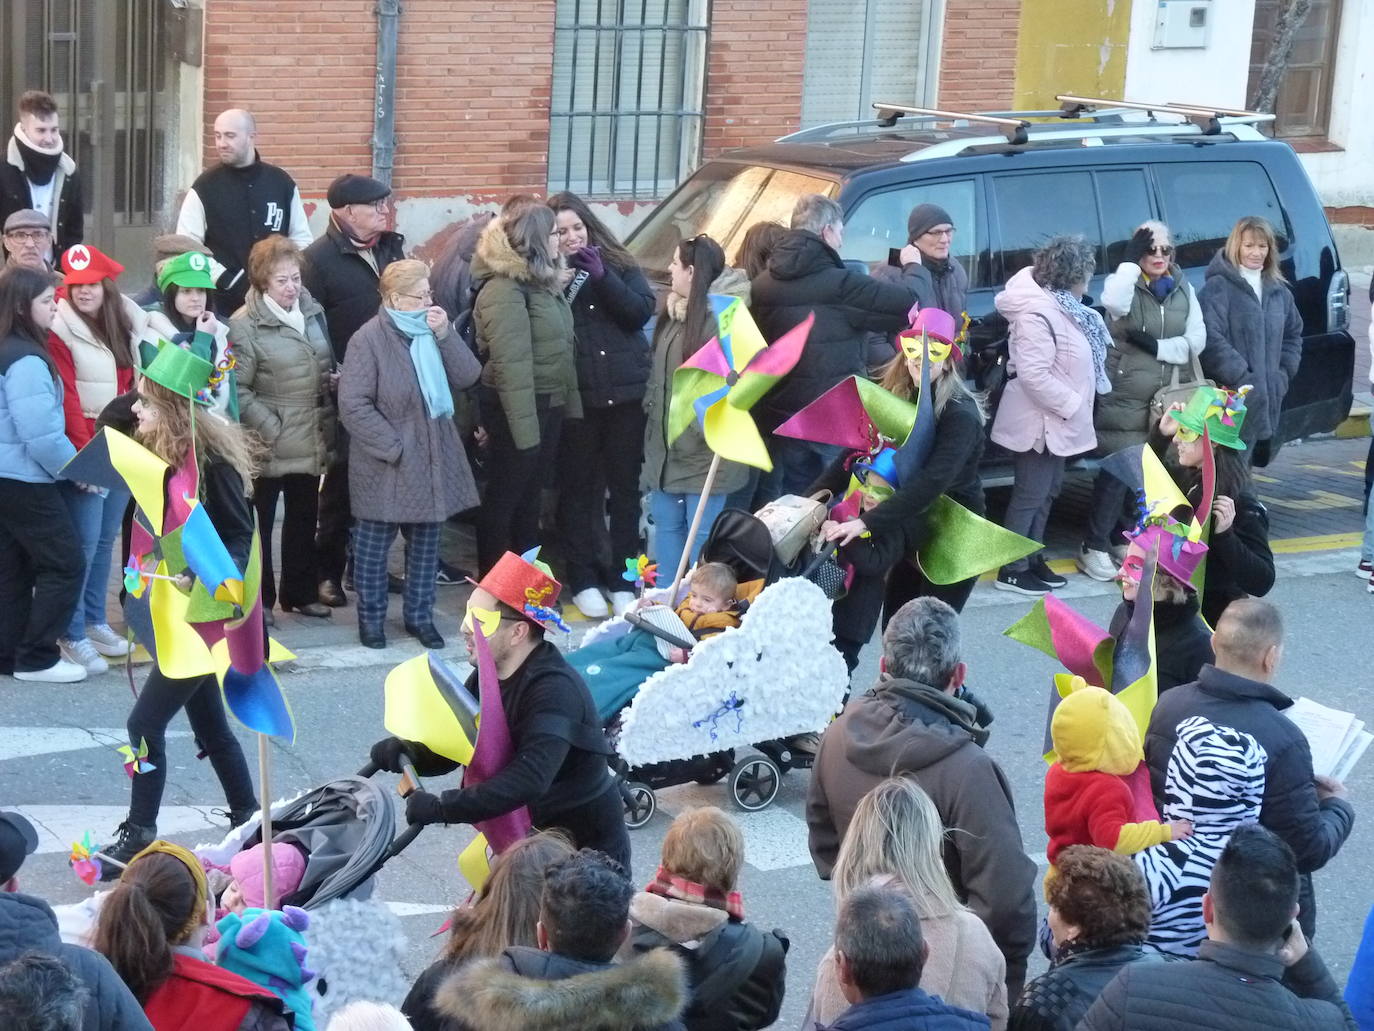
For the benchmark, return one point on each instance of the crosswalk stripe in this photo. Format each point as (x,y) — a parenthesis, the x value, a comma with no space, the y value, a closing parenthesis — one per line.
(60,825)
(26,742)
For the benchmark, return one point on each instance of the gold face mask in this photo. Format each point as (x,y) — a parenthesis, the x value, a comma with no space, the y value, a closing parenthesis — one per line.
(914,351)
(1186,436)
(488,619)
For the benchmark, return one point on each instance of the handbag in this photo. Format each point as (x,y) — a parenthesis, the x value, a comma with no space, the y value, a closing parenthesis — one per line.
(824,570)
(792,521)
(1178,392)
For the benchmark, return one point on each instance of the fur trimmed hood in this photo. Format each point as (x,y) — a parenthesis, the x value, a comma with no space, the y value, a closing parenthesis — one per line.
(678,921)
(539,991)
(495,256)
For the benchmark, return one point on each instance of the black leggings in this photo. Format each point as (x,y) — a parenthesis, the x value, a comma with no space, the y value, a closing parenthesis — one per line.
(159,701)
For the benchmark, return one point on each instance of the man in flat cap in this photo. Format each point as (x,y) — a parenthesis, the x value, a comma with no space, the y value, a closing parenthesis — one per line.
(28,239)
(341,271)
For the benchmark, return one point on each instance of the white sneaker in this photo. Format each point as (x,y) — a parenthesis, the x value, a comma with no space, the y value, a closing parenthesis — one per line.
(106,641)
(60,672)
(1096,564)
(591,603)
(621,601)
(83,653)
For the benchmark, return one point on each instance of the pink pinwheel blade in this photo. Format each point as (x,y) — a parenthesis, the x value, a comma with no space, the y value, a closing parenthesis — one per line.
(778,358)
(710,357)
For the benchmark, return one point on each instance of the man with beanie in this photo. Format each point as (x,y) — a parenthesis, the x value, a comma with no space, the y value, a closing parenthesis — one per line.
(37,173)
(28,925)
(240,201)
(28,240)
(342,270)
(941,281)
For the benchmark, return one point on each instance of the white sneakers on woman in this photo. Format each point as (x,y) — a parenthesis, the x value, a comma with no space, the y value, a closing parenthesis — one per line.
(60,672)
(591,603)
(106,641)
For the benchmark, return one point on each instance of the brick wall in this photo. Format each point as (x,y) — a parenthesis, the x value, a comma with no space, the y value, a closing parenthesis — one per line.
(754,72)
(978,66)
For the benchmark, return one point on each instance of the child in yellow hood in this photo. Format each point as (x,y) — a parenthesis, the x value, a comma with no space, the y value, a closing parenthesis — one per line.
(1097,792)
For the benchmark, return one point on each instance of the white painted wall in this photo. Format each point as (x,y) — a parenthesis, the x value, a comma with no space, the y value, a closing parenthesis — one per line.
(1215,74)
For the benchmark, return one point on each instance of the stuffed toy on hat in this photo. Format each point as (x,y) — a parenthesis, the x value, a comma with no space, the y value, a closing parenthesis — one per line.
(527,585)
(1179,555)
(1097,792)
(268,948)
(1220,411)
(84,264)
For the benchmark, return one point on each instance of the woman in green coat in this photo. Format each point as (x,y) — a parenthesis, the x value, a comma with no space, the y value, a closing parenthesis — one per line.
(674,474)
(529,379)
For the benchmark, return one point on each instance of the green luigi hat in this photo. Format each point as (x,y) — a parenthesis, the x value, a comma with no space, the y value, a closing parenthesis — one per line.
(181,372)
(1220,411)
(190,270)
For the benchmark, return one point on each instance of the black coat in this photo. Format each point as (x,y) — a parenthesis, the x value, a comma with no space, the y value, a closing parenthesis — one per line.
(1183,642)
(1239,561)
(1226,988)
(1058,998)
(344,283)
(15,196)
(612,351)
(1314,830)
(805,274)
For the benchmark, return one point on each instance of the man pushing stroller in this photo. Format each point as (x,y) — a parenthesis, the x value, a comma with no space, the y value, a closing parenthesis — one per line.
(559,769)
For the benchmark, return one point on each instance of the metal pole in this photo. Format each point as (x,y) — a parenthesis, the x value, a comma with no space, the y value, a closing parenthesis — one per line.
(384,107)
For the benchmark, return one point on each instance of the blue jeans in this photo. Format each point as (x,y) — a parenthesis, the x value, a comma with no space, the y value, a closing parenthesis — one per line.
(1367,544)
(671,515)
(97,521)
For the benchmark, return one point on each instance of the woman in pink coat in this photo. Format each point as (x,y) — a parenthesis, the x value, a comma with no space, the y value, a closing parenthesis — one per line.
(1056,369)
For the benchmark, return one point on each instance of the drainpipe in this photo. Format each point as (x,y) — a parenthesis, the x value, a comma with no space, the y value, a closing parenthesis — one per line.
(384,108)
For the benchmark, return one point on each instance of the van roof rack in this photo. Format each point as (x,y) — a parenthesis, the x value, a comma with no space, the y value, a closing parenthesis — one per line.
(1013,127)
(1206,117)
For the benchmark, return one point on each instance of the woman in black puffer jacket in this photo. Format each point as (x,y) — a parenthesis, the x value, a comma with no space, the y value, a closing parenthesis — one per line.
(601,453)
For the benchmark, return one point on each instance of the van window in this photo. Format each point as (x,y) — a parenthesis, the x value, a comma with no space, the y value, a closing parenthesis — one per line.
(877,224)
(1123,198)
(1032,208)
(721,200)
(1203,200)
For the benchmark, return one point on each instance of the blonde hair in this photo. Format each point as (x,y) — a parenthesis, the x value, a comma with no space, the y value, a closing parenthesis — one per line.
(704,845)
(896,830)
(1260,227)
(368,1016)
(716,577)
(895,379)
(400,276)
(169,436)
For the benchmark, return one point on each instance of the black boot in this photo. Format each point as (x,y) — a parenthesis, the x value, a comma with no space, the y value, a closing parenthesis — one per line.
(130,840)
(238,817)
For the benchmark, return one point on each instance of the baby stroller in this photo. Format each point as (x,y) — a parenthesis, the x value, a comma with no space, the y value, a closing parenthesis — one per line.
(746,690)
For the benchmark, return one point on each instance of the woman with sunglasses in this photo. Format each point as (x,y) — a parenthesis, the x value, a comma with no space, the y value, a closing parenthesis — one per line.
(1156,325)
(894,513)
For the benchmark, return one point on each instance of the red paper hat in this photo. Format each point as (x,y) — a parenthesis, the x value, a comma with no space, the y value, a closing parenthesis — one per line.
(526,585)
(82,264)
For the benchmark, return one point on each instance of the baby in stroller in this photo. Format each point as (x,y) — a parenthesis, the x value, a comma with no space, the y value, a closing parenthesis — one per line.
(715,601)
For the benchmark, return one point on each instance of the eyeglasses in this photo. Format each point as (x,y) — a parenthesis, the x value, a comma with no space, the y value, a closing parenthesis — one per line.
(426,296)
(944,233)
(34,236)
(1161,252)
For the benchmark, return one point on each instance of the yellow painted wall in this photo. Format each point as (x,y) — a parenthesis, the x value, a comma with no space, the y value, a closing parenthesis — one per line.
(1071,46)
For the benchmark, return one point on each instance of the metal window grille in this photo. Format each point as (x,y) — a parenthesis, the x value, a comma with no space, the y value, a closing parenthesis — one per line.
(628,96)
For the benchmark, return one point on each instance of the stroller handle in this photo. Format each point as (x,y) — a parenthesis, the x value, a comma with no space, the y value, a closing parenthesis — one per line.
(403,840)
(368,770)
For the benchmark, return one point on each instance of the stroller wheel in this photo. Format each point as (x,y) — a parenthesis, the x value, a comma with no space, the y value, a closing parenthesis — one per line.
(754,782)
(640,804)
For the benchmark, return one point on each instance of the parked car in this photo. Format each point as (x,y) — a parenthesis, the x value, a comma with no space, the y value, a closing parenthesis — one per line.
(1100,177)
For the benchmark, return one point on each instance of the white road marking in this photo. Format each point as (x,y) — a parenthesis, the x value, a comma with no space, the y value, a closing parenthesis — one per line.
(774,839)
(60,825)
(26,742)
(417,908)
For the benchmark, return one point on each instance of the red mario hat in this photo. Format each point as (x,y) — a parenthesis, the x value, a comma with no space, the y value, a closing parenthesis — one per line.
(83,263)
(526,585)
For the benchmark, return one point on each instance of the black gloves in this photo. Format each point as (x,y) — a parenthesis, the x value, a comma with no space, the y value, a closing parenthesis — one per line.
(1144,341)
(1138,246)
(386,753)
(984,717)
(424,808)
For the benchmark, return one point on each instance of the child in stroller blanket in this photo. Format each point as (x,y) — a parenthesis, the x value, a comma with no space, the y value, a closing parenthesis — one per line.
(710,606)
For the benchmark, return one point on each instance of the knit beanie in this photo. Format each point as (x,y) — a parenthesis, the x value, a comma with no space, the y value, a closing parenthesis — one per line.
(924,218)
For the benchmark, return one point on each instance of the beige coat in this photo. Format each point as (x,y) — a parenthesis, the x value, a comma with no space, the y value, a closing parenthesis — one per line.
(964,967)
(284,395)
(96,373)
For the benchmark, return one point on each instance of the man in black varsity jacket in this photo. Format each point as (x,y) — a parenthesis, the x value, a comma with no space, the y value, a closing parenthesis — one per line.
(237,203)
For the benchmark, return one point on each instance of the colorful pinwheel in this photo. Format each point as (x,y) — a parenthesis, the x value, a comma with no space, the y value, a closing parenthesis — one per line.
(640,572)
(136,762)
(84,861)
(728,375)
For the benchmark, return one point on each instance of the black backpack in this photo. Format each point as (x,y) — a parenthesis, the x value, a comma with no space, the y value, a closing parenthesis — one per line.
(465,325)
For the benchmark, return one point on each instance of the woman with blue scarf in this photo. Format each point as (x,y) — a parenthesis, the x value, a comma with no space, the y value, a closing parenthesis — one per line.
(1157,331)
(407,469)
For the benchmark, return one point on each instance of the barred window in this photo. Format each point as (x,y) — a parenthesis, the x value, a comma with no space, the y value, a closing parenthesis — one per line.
(628,96)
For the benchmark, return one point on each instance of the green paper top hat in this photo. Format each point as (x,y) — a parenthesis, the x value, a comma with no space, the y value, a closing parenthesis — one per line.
(181,372)
(190,271)
(1221,411)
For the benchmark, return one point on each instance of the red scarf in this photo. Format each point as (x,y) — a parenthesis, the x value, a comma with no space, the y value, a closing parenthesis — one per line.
(670,886)
(352,237)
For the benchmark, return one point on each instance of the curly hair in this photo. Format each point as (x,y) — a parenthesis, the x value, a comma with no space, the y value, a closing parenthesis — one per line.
(585,904)
(1064,262)
(266,255)
(1101,893)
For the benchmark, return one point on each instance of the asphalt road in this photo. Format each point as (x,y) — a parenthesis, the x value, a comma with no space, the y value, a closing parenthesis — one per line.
(58,764)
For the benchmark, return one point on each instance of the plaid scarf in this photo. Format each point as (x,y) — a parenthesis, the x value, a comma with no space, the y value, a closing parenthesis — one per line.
(670,886)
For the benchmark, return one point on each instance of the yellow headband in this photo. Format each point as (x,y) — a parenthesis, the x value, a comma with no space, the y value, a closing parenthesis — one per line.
(189,860)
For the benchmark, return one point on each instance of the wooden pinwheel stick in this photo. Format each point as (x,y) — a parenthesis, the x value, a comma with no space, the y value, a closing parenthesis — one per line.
(702,499)
(264,771)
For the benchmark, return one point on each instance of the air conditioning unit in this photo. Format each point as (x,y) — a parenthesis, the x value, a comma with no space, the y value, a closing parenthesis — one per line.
(1182,24)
